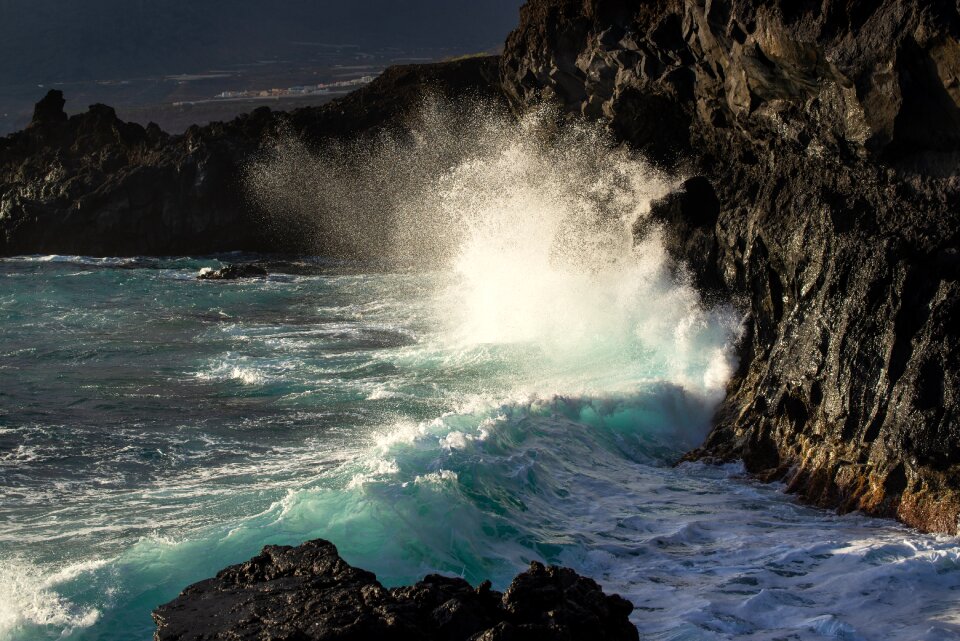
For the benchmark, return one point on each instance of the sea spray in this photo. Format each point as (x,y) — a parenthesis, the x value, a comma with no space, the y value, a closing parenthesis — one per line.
(29,598)
(536,222)
(413,195)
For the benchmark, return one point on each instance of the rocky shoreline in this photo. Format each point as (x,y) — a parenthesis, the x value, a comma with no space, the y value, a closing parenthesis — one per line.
(825,141)
(309,593)
(821,146)
(822,150)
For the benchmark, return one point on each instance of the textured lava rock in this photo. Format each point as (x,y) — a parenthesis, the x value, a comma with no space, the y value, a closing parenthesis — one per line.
(233,272)
(309,593)
(92,184)
(824,138)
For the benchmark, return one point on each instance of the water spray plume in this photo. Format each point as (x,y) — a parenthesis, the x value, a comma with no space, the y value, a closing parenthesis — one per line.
(534,224)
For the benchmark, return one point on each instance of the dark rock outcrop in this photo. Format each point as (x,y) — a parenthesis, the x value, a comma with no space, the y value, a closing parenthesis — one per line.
(92,184)
(825,141)
(233,272)
(309,593)
(49,110)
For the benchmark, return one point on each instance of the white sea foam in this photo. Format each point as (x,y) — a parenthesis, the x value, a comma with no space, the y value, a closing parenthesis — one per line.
(246,375)
(442,476)
(232,370)
(28,599)
(534,226)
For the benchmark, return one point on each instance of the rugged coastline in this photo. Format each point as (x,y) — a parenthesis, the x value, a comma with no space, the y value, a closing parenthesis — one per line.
(821,147)
(94,185)
(826,144)
(826,198)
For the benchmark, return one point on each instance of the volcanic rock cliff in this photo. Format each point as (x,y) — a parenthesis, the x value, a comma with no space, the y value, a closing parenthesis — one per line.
(823,144)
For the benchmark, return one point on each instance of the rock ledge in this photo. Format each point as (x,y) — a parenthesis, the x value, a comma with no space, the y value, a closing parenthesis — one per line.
(309,593)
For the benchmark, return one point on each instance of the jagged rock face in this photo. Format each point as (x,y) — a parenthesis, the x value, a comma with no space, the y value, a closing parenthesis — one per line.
(828,137)
(309,593)
(94,185)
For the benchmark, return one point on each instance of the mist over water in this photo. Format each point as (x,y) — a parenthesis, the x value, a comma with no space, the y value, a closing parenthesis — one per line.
(511,379)
(533,221)
(455,173)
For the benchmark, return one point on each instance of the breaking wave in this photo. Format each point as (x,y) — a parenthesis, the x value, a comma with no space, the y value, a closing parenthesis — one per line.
(512,380)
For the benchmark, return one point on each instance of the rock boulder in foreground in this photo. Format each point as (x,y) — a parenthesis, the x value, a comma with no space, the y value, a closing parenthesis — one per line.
(234,272)
(309,593)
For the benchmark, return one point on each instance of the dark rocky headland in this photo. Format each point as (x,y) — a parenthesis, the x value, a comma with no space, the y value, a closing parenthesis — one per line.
(94,185)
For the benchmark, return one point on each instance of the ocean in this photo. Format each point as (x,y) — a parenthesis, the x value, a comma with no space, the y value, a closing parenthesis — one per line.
(525,396)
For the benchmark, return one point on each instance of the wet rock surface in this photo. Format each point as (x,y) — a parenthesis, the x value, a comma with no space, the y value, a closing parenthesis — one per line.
(94,185)
(234,272)
(309,593)
(824,146)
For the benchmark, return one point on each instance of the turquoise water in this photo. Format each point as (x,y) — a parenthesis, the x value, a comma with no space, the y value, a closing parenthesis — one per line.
(155,428)
(521,395)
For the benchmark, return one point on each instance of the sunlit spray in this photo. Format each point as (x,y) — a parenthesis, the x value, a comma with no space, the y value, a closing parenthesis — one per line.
(534,224)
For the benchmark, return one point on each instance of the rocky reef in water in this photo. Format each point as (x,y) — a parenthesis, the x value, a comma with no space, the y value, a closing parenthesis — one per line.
(309,593)
(823,144)
(92,184)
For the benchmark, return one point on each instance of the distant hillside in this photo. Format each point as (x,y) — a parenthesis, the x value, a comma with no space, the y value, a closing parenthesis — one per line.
(48,41)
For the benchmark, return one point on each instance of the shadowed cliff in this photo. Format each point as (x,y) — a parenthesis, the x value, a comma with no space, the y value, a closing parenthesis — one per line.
(825,150)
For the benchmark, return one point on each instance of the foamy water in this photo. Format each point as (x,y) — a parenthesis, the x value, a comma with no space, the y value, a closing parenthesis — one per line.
(523,397)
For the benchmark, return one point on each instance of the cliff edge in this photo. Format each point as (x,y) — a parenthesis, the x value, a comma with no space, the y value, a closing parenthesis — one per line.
(822,141)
